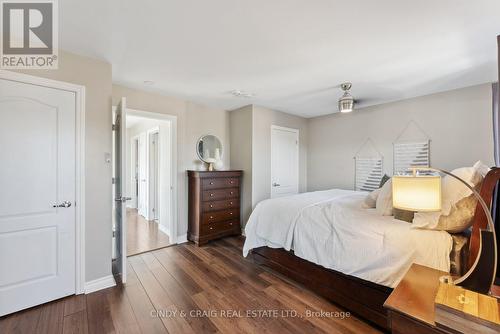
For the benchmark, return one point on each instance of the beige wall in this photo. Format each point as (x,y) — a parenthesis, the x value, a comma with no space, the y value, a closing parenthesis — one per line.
(251,151)
(459,124)
(263,118)
(241,154)
(95,75)
(193,121)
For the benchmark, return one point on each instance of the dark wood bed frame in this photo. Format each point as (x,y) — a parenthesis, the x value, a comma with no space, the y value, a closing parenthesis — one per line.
(359,296)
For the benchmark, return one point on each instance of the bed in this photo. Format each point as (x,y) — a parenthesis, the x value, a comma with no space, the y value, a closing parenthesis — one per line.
(350,255)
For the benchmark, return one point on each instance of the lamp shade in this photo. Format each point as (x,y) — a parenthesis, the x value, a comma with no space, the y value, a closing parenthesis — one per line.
(416,193)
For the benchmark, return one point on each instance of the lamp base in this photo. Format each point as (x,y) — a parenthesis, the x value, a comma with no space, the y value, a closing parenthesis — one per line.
(481,275)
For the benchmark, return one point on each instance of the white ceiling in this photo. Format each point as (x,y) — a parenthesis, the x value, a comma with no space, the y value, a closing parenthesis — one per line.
(290,53)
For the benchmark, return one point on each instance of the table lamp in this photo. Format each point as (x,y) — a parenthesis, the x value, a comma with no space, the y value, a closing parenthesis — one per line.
(421,191)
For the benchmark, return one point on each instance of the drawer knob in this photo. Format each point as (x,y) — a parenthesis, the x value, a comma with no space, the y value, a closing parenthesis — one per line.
(211,205)
(231,203)
(211,217)
(211,195)
(231,182)
(230,213)
(211,183)
(231,224)
(231,192)
(211,228)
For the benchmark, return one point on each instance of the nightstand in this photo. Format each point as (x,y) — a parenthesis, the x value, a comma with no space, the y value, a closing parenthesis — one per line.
(411,304)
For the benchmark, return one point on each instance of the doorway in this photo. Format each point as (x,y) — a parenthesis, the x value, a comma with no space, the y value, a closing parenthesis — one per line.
(149,181)
(284,161)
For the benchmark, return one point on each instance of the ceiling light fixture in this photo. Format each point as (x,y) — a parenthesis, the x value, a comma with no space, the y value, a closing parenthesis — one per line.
(241,93)
(346,102)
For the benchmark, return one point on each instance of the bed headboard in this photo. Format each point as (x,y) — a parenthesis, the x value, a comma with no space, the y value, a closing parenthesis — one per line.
(490,192)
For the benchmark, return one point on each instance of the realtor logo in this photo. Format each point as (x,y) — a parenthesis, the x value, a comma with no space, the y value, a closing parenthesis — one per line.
(29,34)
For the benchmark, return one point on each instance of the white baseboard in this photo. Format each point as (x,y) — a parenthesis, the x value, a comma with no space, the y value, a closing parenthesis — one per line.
(99,284)
(164,229)
(182,239)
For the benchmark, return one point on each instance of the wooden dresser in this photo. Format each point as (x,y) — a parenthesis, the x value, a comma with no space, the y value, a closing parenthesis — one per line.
(214,205)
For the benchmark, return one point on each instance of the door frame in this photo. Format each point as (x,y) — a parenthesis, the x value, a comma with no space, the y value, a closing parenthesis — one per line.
(149,132)
(79,163)
(134,141)
(173,228)
(297,133)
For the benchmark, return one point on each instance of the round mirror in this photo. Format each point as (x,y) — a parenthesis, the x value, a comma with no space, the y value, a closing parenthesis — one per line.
(209,149)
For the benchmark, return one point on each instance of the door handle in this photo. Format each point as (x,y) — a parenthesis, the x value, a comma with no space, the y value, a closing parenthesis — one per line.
(276,184)
(65,204)
(123,199)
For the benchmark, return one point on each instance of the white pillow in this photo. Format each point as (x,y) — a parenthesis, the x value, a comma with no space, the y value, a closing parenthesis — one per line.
(371,199)
(453,191)
(384,199)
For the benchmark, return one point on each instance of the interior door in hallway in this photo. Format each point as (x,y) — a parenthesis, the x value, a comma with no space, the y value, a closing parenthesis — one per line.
(37,197)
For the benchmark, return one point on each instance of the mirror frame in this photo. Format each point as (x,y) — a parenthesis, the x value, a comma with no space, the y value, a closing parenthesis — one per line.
(198,142)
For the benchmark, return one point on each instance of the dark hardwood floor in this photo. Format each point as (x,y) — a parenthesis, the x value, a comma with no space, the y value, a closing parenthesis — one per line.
(143,235)
(189,289)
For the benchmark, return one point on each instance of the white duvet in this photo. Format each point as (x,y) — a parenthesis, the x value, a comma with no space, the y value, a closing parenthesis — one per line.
(331,229)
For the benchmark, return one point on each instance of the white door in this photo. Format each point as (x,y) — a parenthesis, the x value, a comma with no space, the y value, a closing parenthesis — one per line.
(153,176)
(37,197)
(120,224)
(135,173)
(284,161)
(142,195)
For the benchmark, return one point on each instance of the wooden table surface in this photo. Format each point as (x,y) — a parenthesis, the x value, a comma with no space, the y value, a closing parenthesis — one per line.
(414,295)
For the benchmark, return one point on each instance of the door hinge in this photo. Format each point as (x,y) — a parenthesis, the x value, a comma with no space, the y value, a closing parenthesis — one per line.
(114,234)
(113,180)
(113,127)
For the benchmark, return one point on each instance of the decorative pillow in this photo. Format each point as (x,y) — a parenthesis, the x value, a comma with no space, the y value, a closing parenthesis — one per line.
(458,202)
(459,219)
(384,179)
(384,199)
(371,199)
(454,190)
(404,215)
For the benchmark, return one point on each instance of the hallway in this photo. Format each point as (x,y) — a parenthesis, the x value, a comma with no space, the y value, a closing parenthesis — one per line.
(143,235)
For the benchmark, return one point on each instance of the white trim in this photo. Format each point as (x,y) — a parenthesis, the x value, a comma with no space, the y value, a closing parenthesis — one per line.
(182,239)
(134,153)
(164,230)
(277,127)
(80,163)
(297,132)
(149,132)
(99,284)
(174,177)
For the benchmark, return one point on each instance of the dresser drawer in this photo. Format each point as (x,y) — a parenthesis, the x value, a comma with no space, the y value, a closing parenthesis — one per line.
(218,216)
(220,182)
(220,205)
(218,194)
(217,227)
